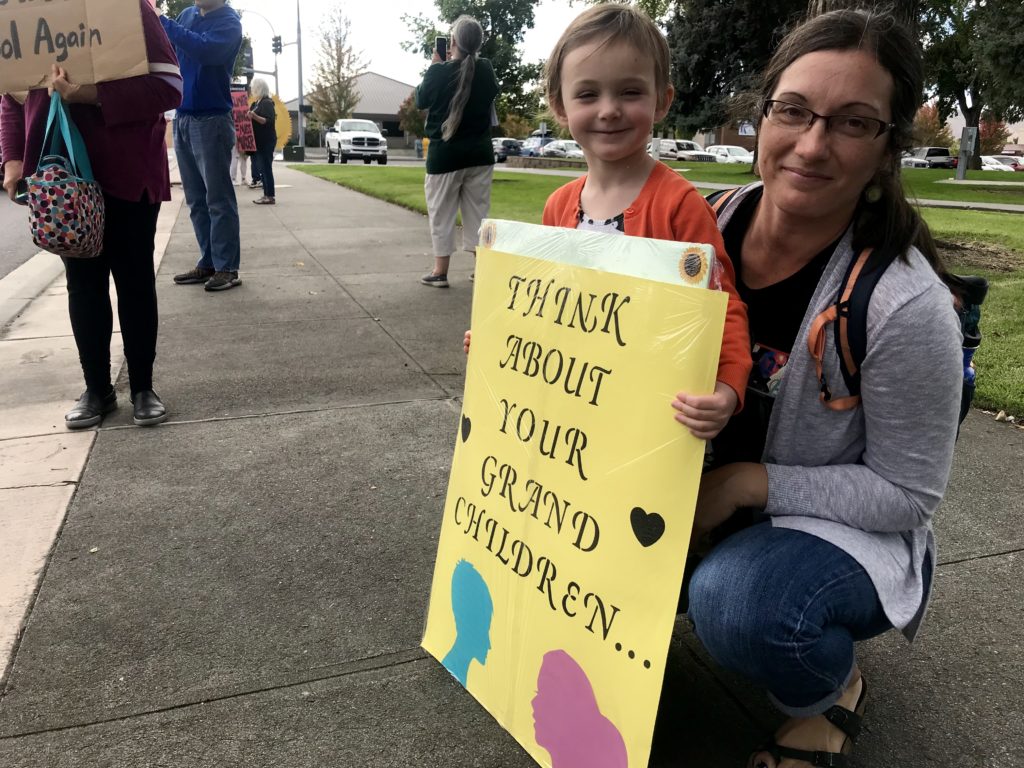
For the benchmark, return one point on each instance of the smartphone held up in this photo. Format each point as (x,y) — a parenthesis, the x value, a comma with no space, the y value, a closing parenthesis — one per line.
(441,46)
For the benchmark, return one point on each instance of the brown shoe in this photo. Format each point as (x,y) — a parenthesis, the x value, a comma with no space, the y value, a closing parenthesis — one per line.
(265,201)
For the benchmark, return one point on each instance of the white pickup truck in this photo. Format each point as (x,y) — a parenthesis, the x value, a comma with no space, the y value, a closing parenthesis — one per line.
(356,140)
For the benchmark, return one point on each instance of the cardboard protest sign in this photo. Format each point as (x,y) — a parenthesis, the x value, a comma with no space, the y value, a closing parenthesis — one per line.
(94,40)
(244,139)
(572,489)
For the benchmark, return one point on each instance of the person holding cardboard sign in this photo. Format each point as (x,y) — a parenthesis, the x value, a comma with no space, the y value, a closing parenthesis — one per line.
(841,547)
(263,114)
(122,125)
(207,38)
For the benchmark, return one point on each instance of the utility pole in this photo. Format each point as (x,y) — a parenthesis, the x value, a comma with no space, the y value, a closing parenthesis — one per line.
(277,48)
(298,46)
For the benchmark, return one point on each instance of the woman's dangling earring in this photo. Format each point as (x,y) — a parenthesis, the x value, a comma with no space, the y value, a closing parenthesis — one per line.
(873,193)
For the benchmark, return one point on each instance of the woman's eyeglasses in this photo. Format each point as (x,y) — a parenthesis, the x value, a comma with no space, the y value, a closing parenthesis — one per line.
(793,117)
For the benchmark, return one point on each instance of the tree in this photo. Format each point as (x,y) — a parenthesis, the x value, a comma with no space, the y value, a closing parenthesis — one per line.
(1000,52)
(515,127)
(504,22)
(334,94)
(173,8)
(966,45)
(719,48)
(992,135)
(929,130)
(410,119)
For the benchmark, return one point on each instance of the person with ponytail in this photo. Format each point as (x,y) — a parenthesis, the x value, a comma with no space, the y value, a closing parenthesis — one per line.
(837,501)
(459,95)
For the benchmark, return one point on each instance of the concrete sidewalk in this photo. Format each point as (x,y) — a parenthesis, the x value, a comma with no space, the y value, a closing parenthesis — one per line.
(246,584)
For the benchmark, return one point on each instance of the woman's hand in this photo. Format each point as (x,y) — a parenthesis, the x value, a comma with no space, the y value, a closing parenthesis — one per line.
(13,171)
(726,489)
(466,340)
(706,415)
(70,92)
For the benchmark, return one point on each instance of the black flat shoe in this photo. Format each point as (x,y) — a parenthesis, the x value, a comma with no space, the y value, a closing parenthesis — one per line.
(90,410)
(148,409)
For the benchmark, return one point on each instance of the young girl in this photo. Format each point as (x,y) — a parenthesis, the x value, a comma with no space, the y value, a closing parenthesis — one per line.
(608,83)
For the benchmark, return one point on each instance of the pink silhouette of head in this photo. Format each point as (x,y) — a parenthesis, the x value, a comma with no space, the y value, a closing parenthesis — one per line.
(567,721)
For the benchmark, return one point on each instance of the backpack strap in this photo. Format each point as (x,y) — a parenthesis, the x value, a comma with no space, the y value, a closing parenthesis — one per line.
(720,198)
(849,319)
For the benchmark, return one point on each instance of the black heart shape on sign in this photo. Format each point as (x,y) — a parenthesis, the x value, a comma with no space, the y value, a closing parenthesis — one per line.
(647,527)
(466,426)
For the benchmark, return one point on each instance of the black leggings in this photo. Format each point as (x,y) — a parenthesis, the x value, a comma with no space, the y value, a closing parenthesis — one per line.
(128,256)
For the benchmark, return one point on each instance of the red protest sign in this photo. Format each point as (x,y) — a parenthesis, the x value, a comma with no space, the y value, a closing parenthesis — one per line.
(246,142)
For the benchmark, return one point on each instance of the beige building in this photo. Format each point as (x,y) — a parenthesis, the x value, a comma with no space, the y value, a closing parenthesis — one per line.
(379,100)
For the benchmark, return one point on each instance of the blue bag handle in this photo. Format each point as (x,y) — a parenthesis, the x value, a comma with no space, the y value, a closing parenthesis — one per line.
(68,133)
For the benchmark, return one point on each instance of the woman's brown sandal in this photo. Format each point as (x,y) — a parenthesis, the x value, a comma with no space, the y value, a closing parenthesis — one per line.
(842,718)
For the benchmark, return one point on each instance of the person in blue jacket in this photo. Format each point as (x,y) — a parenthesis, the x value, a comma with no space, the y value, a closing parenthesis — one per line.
(207,38)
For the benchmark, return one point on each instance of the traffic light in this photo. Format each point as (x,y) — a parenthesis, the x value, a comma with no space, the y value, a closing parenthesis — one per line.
(247,64)
(277,44)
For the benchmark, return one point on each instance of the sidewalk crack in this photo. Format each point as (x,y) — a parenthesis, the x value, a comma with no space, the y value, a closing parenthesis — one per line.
(344,669)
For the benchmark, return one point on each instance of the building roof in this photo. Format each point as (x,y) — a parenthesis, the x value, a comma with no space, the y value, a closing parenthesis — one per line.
(378,95)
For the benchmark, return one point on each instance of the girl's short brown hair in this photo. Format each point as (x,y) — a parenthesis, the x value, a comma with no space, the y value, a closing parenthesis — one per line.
(612,23)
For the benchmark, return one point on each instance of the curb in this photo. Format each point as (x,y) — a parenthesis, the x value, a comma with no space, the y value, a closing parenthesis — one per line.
(23,285)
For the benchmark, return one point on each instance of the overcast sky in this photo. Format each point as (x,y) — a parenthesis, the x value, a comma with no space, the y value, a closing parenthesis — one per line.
(377,31)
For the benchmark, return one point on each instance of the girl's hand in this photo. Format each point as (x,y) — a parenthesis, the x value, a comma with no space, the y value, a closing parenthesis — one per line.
(726,489)
(706,415)
(465,341)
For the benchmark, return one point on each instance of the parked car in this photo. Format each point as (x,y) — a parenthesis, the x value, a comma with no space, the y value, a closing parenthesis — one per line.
(936,157)
(563,148)
(666,148)
(1014,162)
(532,146)
(692,152)
(505,147)
(356,140)
(907,160)
(993,163)
(730,153)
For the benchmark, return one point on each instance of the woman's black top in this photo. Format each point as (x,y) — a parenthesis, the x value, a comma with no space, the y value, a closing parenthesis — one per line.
(775,314)
(265,134)
(471,145)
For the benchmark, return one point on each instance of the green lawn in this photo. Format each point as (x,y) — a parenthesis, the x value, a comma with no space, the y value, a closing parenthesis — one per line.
(1000,361)
(920,183)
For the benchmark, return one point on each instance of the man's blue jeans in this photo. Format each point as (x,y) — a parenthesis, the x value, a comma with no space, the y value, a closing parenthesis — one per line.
(783,608)
(203,145)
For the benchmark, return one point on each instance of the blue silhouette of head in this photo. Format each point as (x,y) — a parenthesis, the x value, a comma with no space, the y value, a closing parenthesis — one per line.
(473,608)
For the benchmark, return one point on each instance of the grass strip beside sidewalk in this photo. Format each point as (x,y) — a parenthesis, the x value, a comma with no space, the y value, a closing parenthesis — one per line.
(1000,361)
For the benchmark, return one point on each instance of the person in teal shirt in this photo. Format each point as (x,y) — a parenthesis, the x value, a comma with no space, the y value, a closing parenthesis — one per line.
(459,96)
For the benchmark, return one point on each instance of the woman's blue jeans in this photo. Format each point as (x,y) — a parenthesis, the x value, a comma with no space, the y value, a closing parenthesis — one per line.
(783,608)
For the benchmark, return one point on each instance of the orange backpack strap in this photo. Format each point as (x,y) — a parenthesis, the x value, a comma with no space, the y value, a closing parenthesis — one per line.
(837,313)
(718,199)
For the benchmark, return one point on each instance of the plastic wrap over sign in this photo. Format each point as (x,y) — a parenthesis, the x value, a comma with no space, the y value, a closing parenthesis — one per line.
(572,490)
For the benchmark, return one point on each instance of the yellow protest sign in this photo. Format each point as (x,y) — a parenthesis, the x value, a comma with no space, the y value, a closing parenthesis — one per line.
(94,40)
(572,489)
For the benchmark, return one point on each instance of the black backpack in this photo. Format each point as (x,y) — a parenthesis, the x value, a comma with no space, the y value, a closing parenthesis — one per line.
(849,319)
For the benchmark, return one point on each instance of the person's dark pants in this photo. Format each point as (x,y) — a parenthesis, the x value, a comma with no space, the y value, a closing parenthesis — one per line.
(127,255)
(254,164)
(265,161)
(784,608)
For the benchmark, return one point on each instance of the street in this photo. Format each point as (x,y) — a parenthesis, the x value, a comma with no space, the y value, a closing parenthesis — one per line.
(16,246)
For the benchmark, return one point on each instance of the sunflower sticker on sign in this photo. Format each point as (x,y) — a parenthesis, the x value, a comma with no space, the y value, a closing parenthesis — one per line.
(572,489)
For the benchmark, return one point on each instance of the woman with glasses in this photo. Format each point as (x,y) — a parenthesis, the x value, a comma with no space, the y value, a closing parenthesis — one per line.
(837,544)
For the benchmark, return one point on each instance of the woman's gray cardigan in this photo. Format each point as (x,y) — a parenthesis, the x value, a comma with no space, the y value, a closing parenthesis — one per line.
(869,480)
